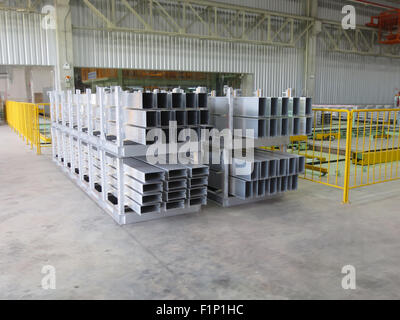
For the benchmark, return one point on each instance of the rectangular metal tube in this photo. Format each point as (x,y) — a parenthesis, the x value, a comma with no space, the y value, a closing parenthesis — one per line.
(174,195)
(142,118)
(142,199)
(139,209)
(196,192)
(170,185)
(174,205)
(240,188)
(197,182)
(249,107)
(142,171)
(198,201)
(143,188)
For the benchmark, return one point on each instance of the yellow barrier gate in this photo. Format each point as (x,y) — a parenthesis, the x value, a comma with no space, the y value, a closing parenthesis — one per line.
(351,149)
(31,122)
(375,147)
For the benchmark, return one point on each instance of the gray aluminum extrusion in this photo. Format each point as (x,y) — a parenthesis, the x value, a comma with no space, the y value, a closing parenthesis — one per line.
(197,201)
(204,117)
(196,170)
(174,205)
(219,122)
(196,192)
(143,188)
(218,105)
(197,182)
(142,118)
(141,199)
(240,188)
(259,127)
(139,209)
(283,105)
(274,106)
(174,195)
(250,107)
(171,171)
(171,185)
(142,171)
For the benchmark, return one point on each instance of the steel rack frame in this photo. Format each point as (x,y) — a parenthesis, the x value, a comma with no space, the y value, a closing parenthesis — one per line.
(81,152)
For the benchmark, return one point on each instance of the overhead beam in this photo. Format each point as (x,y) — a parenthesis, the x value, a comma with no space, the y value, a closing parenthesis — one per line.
(136,14)
(367,47)
(98,13)
(236,23)
(211,15)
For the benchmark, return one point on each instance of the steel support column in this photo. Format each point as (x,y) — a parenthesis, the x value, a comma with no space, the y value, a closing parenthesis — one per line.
(311,49)
(64,67)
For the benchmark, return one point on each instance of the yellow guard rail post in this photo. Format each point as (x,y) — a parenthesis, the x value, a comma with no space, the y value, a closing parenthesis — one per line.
(376,149)
(352,149)
(26,120)
(327,149)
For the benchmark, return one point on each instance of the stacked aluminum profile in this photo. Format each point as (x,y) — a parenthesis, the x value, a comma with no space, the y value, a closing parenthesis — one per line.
(182,183)
(149,110)
(265,117)
(266,121)
(267,174)
(90,144)
(196,184)
(270,173)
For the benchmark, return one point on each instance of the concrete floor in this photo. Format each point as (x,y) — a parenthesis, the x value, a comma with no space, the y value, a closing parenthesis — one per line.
(291,248)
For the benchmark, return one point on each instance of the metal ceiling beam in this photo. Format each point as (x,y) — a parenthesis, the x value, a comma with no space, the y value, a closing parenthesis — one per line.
(135,13)
(213,16)
(337,40)
(98,13)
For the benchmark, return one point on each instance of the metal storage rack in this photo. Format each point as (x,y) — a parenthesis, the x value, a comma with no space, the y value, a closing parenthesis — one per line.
(273,120)
(99,160)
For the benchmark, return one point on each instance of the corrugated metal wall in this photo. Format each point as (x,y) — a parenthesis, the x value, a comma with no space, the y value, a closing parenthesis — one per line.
(354,79)
(274,68)
(349,78)
(23,41)
(341,78)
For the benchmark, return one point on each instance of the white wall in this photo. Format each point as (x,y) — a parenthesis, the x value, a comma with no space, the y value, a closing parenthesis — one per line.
(41,79)
(16,87)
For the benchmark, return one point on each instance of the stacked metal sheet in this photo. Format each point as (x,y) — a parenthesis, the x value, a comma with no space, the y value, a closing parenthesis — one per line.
(271,117)
(183,184)
(143,186)
(196,185)
(174,185)
(267,174)
(147,110)
(264,117)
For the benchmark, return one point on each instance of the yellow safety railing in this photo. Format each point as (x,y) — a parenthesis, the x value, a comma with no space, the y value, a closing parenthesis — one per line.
(375,147)
(31,122)
(351,149)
